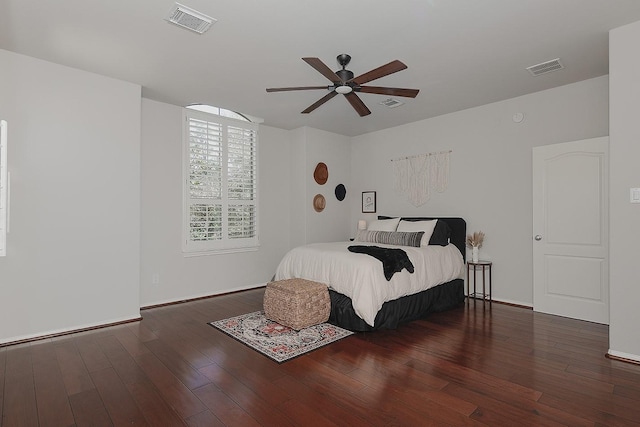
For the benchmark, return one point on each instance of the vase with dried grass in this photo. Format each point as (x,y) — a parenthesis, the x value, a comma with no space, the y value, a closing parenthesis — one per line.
(474,241)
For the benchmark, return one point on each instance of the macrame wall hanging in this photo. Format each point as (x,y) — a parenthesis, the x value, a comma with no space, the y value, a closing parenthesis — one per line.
(416,176)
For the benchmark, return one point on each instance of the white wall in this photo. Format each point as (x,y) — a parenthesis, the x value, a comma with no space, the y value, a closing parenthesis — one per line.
(330,225)
(624,68)
(309,147)
(299,209)
(491,169)
(183,277)
(73,249)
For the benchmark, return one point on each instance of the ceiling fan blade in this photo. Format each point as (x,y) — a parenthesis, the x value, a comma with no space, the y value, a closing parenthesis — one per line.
(322,68)
(376,73)
(357,104)
(320,102)
(392,91)
(282,89)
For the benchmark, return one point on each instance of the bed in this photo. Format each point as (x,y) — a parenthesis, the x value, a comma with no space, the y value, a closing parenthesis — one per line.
(361,297)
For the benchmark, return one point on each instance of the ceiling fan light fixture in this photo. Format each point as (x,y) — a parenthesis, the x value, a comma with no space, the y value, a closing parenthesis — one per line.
(344,89)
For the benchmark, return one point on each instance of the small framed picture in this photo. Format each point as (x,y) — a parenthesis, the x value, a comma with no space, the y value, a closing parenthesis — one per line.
(368,202)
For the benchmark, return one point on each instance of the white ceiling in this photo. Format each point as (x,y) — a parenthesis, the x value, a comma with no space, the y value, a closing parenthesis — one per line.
(459,53)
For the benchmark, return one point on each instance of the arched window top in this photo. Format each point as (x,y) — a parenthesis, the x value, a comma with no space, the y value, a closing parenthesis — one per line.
(218,111)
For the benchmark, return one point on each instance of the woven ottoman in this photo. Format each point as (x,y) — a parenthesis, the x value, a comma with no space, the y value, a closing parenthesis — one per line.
(297,303)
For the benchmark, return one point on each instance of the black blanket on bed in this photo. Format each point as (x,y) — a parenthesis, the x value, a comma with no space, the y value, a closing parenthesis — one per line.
(393,260)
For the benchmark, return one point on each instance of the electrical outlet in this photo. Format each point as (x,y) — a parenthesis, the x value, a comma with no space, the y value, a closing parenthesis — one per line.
(155,278)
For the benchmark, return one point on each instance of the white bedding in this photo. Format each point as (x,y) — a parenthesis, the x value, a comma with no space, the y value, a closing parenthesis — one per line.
(361,277)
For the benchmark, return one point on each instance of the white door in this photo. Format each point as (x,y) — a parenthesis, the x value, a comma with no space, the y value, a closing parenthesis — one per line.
(570,229)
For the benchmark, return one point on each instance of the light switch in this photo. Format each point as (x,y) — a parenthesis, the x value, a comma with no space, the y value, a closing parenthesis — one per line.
(634,195)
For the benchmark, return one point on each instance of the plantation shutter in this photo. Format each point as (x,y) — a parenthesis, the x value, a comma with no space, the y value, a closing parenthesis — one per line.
(241,182)
(221,185)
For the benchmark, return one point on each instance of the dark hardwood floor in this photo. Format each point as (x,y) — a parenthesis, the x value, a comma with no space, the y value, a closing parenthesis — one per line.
(474,365)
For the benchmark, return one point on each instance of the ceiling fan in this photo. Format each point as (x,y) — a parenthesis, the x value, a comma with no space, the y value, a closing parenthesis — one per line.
(344,83)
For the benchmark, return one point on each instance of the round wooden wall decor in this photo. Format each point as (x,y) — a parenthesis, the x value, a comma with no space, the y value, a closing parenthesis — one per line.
(321,174)
(319,203)
(341,192)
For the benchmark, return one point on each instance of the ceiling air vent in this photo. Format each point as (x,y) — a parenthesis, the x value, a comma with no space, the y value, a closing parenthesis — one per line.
(190,19)
(391,103)
(546,67)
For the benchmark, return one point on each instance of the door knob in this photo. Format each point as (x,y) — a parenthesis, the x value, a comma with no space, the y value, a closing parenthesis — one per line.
(538,237)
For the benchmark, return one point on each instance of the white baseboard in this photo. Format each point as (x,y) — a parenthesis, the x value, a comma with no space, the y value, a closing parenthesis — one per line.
(203,295)
(110,322)
(622,355)
(512,302)
(65,331)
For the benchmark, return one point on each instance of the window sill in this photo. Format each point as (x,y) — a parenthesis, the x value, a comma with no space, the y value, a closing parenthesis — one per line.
(219,252)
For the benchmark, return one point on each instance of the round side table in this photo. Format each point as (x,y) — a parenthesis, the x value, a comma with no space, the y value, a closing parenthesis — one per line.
(483,266)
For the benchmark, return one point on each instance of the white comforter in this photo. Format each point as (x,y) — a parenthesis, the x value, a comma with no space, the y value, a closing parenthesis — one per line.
(361,277)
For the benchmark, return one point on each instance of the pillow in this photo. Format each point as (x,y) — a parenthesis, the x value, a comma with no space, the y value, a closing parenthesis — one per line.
(384,224)
(390,237)
(441,234)
(426,226)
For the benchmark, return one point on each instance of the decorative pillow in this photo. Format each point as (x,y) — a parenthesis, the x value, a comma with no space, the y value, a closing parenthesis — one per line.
(383,224)
(426,226)
(441,234)
(390,237)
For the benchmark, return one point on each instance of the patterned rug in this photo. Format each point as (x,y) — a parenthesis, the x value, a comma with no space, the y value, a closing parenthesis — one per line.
(275,341)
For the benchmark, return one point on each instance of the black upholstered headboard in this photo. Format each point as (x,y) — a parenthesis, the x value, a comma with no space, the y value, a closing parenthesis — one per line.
(458,229)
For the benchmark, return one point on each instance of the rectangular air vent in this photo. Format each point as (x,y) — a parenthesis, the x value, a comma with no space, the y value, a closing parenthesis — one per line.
(391,103)
(546,67)
(190,19)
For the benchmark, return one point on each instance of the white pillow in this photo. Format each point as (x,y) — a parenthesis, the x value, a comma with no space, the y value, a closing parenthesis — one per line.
(383,224)
(412,226)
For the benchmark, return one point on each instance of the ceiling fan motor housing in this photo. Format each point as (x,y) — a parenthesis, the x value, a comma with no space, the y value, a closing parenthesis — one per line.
(344,75)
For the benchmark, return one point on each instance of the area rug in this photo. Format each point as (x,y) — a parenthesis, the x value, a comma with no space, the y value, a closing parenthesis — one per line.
(280,343)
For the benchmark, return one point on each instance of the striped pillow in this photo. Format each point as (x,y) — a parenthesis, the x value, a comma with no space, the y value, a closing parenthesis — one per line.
(390,237)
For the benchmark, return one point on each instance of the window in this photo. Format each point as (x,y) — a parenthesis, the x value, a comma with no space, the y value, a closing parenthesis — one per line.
(221,183)
(218,111)
(4,189)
